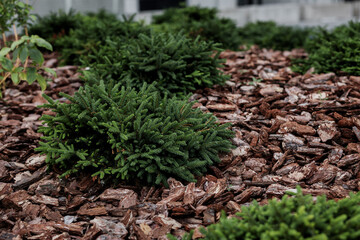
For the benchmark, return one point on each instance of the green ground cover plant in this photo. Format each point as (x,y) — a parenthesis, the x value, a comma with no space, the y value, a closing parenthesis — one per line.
(337,50)
(296,217)
(20,60)
(267,34)
(77,35)
(178,64)
(188,14)
(196,21)
(122,134)
(56,25)
(93,33)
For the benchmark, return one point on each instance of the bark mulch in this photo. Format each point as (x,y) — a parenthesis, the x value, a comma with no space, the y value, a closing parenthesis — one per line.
(290,130)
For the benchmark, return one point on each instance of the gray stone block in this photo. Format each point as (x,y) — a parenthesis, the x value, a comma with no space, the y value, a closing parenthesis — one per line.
(44,7)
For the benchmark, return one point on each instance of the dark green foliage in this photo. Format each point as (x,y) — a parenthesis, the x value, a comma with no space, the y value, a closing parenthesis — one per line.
(333,51)
(186,14)
(102,15)
(178,64)
(267,34)
(254,32)
(127,135)
(76,36)
(93,33)
(292,218)
(56,25)
(196,21)
(218,30)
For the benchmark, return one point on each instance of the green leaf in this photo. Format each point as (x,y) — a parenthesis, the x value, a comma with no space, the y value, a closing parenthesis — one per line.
(4,51)
(15,54)
(6,64)
(33,17)
(21,4)
(23,76)
(41,42)
(36,56)
(30,74)
(51,71)
(42,82)
(15,78)
(17,43)
(24,53)
(18,70)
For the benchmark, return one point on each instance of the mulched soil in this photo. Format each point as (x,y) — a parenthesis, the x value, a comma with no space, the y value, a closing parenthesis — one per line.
(290,130)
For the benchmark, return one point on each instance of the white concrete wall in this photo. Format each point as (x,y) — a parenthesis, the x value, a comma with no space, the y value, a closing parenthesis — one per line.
(44,7)
(219,4)
(90,5)
(297,12)
(202,3)
(280,13)
(328,12)
(301,1)
(129,6)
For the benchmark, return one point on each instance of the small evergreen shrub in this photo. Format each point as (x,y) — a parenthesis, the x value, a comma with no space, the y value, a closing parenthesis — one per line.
(56,25)
(92,34)
(254,32)
(185,14)
(218,30)
(102,15)
(333,51)
(196,21)
(178,64)
(267,34)
(128,135)
(291,218)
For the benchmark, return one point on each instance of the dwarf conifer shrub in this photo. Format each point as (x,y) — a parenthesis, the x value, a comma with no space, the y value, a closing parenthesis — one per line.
(218,30)
(267,34)
(123,134)
(291,218)
(185,14)
(56,25)
(337,50)
(254,32)
(178,64)
(197,21)
(93,32)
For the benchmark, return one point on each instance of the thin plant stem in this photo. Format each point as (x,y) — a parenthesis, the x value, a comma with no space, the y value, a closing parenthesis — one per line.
(25,27)
(25,64)
(4,40)
(16,38)
(15,33)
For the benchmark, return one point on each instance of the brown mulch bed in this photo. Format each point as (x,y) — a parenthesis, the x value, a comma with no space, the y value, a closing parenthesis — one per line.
(290,130)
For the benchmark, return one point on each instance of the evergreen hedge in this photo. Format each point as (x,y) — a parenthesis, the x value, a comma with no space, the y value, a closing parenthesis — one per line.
(296,217)
(92,35)
(198,22)
(119,133)
(56,25)
(76,36)
(267,34)
(186,14)
(337,50)
(178,64)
